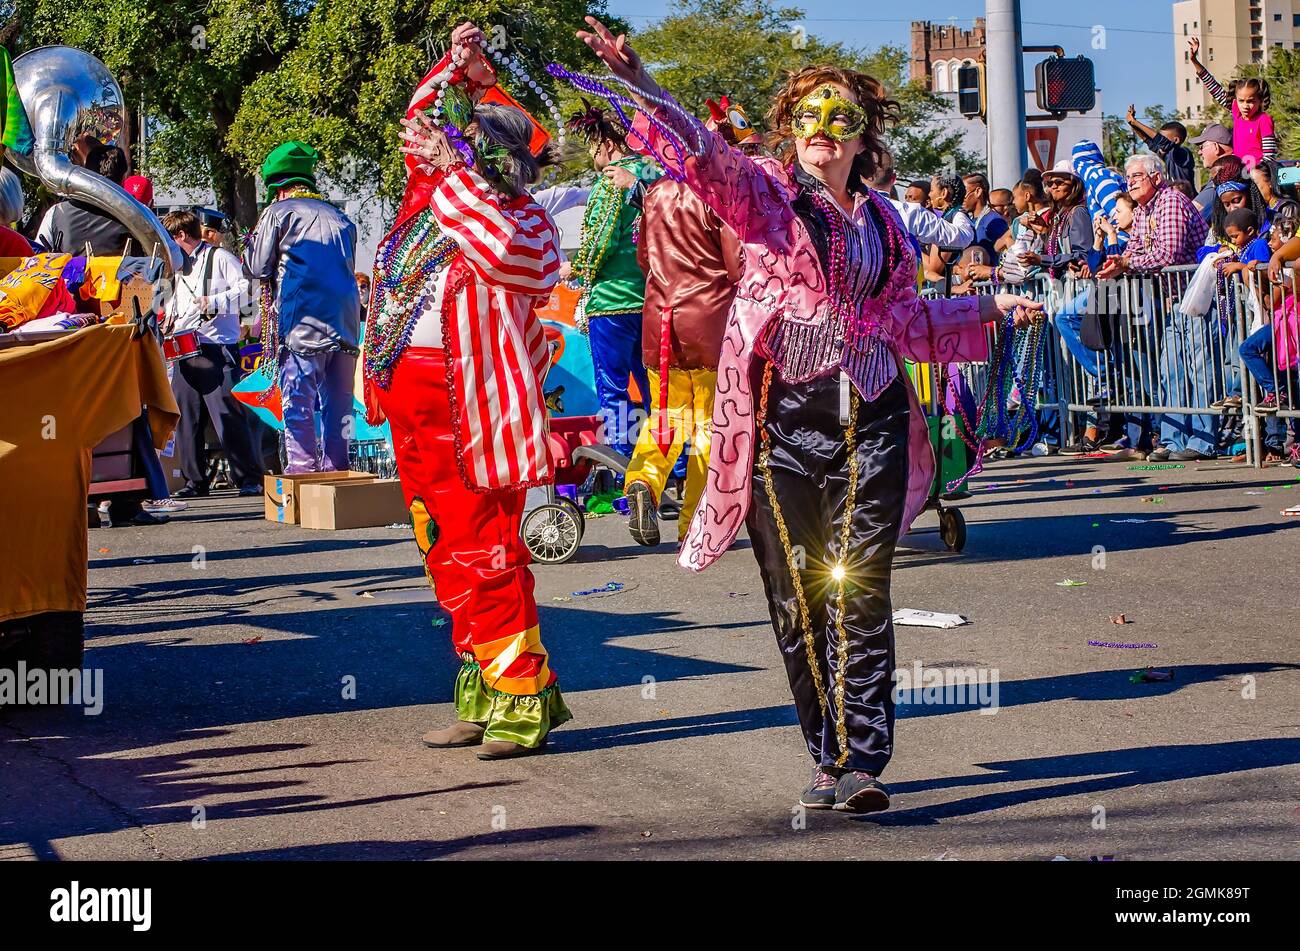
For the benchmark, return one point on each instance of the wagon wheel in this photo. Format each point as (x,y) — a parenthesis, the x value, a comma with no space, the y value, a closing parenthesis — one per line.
(552,533)
(952,528)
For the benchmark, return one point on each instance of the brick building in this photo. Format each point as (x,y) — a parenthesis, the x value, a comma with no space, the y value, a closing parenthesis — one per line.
(939,50)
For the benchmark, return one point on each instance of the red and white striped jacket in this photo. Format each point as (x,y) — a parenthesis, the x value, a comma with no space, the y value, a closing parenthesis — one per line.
(509,263)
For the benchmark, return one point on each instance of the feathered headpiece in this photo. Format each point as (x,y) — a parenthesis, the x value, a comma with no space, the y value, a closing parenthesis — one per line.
(593,124)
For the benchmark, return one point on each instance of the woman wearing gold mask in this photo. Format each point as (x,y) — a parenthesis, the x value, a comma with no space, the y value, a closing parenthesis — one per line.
(819,444)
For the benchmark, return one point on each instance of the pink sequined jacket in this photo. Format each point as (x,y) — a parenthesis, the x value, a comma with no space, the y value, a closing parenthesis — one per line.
(783,278)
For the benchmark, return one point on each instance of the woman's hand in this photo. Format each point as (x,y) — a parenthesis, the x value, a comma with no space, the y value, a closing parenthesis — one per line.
(1024,310)
(428,143)
(470,40)
(1031,259)
(1194,46)
(616,53)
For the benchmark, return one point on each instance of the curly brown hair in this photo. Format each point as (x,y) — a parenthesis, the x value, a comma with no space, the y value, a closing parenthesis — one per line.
(869,93)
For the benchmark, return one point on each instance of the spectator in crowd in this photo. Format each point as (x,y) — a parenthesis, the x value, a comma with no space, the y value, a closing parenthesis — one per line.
(923,226)
(989,225)
(1276,200)
(207,296)
(1069,237)
(1232,195)
(70,225)
(1167,230)
(1213,144)
(363,289)
(1168,144)
(1253,136)
(947,192)
(1065,255)
(1187,188)
(1272,353)
(918,193)
(1003,202)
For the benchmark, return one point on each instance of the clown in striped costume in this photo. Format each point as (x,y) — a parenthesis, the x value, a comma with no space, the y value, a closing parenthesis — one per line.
(454,352)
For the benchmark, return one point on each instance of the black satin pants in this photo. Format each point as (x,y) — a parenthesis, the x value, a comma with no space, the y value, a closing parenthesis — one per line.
(837,640)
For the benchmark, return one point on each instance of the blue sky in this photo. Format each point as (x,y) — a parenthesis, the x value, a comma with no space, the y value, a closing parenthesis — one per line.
(1136,66)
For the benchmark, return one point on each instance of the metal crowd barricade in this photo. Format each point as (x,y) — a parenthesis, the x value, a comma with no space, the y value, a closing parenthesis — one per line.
(1170,358)
(1270,360)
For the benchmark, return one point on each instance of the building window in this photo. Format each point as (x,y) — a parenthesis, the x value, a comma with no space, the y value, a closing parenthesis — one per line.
(1189,84)
(954,83)
(1184,29)
(1295,19)
(1211,54)
(1277,18)
(940,71)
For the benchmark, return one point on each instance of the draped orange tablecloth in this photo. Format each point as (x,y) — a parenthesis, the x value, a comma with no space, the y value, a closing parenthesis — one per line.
(58,399)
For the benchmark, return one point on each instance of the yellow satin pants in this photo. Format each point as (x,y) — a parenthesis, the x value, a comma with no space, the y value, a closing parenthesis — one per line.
(690,413)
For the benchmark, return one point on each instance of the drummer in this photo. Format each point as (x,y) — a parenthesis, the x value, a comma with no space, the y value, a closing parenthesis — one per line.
(206,300)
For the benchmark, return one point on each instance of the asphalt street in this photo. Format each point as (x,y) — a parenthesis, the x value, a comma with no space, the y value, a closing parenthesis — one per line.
(227,641)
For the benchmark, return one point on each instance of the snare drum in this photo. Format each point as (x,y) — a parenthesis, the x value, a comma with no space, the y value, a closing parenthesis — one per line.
(181,345)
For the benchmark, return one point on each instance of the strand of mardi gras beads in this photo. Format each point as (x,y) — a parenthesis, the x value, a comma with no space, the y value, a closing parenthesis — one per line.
(606,208)
(405,275)
(456,75)
(590,84)
(1014,347)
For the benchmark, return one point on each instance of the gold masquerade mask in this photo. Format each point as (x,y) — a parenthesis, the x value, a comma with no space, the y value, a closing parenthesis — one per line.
(825,110)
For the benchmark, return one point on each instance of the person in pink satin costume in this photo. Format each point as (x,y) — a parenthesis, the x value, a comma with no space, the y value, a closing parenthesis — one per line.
(819,446)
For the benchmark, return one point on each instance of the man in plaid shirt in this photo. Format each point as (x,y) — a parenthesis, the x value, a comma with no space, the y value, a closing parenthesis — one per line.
(1167,230)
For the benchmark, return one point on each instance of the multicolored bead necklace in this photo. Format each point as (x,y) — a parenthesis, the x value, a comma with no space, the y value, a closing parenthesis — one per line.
(406,270)
(623,105)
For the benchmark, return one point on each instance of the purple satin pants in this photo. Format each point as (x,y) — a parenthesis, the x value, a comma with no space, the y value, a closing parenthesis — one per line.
(311,384)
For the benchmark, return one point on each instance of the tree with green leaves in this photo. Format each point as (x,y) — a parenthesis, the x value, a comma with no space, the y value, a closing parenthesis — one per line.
(222,82)
(745,49)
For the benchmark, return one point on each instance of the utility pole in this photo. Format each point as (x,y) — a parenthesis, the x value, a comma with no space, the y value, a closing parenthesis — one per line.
(1005,74)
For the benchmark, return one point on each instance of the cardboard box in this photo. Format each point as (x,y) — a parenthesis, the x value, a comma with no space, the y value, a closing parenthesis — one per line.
(282,491)
(355,503)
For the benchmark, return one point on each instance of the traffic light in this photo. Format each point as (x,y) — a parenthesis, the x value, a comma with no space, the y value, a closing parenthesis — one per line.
(1066,85)
(970,91)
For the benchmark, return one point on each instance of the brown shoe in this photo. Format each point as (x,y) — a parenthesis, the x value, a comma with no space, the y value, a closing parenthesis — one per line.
(504,749)
(459,733)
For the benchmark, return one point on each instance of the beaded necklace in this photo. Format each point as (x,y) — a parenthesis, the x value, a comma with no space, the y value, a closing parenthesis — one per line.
(623,104)
(605,204)
(405,275)
(270,316)
(456,75)
(1018,364)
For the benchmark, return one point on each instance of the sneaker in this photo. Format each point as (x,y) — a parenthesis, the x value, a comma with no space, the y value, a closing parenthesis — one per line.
(164,506)
(1084,447)
(642,515)
(1267,406)
(1119,445)
(820,794)
(1228,402)
(191,491)
(1158,455)
(248,491)
(857,791)
(1189,455)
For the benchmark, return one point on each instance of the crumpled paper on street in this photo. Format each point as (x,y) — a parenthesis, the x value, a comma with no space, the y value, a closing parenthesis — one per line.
(915,618)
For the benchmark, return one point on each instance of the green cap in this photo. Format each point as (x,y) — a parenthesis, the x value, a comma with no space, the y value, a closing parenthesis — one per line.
(288,164)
